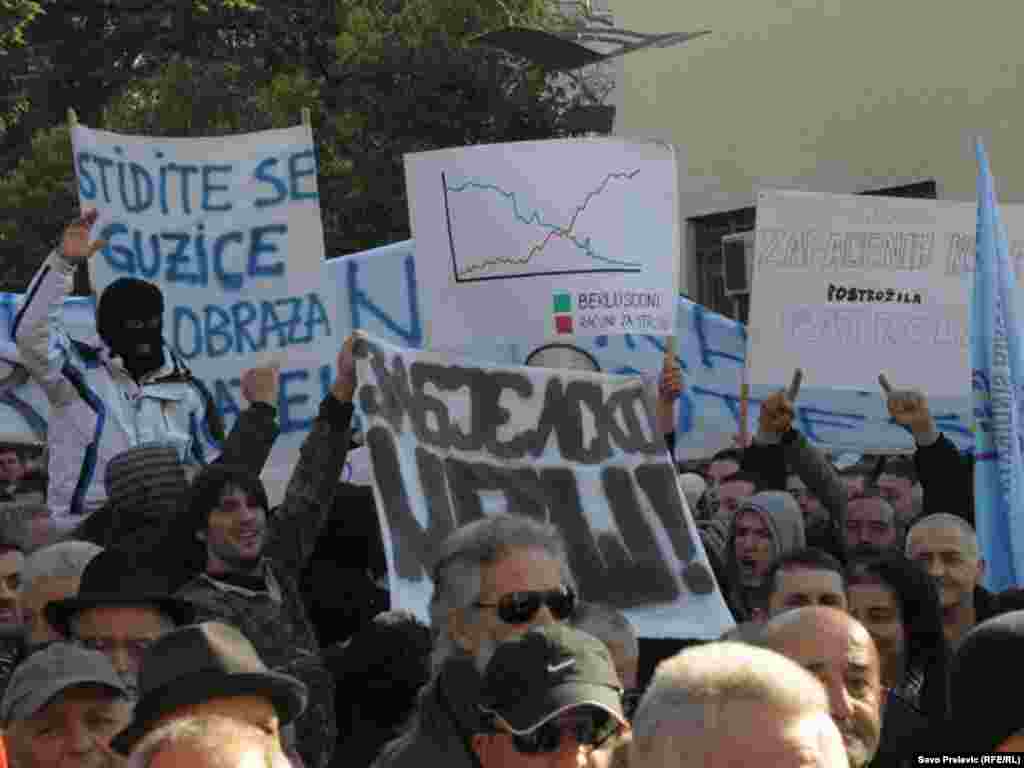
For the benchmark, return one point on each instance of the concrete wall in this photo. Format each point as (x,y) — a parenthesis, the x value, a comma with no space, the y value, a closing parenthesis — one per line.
(827,95)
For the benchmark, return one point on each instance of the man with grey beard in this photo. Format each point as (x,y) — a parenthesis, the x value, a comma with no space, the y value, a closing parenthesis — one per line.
(494,579)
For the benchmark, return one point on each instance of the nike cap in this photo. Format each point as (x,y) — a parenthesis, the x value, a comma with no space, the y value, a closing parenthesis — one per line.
(549,670)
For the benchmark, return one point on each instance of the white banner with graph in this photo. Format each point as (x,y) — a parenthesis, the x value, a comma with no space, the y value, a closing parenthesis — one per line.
(552,239)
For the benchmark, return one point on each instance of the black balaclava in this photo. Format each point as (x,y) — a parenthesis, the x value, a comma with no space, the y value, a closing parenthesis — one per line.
(125,305)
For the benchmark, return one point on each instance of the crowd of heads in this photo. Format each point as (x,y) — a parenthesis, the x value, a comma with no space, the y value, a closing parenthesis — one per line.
(827,639)
(863,633)
(880,601)
(828,643)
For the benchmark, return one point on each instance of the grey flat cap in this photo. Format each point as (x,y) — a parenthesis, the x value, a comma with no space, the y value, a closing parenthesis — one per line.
(44,674)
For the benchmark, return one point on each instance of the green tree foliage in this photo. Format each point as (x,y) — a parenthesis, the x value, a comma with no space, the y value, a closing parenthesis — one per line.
(15,16)
(381,78)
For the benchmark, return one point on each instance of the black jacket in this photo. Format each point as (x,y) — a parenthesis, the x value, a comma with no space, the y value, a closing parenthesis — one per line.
(905,731)
(947,479)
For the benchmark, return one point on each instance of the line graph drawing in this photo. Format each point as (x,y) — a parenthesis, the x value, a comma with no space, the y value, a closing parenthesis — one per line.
(537,254)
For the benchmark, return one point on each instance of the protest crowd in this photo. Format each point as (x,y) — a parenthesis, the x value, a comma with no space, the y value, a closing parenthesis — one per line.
(156,610)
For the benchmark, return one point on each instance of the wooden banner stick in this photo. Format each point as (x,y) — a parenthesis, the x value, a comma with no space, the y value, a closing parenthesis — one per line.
(744,411)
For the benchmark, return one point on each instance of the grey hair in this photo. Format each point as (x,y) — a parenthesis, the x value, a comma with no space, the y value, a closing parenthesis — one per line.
(943,519)
(219,739)
(682,710)
(467,549)
(64,560)
(609,625)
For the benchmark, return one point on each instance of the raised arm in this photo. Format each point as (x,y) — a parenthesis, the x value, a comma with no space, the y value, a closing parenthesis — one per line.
(945,474)
(310,493)
(37,330)
(793,451)
(670,387)
(252,437)
(765,456)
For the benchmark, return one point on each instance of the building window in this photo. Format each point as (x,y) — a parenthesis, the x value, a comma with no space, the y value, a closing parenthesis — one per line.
(707,237)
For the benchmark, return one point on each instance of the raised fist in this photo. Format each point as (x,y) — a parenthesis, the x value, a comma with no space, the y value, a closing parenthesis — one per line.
(75,246)
(908,408)
(670,385)
(260,385)
(345,384)
(776,416)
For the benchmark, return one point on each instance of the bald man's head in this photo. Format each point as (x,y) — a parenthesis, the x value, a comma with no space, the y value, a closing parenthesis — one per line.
(947,548)
(837,649)
(210,741)
(719,703)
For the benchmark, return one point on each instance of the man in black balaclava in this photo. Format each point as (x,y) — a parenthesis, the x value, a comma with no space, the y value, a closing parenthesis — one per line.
(106,399)
(129,319)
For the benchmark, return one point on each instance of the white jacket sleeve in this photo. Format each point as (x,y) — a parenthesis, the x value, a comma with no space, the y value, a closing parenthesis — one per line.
(37,331)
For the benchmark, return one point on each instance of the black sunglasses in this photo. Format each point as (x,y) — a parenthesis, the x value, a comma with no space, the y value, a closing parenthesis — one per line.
(590,730)
(521,607)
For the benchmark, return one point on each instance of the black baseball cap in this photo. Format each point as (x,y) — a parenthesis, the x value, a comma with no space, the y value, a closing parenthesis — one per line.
(549,670)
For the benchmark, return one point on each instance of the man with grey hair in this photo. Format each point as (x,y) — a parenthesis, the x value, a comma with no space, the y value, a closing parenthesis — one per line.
(493,579)
(51,573)
(63,706)
(947,548)
(724,704)
(208,742)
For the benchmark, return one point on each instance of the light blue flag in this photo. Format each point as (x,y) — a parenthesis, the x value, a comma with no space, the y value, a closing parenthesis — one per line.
(997,369)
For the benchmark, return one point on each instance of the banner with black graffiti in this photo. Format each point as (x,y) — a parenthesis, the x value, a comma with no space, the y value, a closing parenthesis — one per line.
(451,440)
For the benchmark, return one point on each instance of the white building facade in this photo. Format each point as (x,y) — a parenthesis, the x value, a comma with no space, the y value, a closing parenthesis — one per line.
(845,96)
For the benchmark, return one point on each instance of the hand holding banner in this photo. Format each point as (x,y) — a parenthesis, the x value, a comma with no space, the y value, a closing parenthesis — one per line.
(572,237)
(229,229)
(908,408)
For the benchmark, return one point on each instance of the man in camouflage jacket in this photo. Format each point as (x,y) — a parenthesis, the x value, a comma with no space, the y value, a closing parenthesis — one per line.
(254,557)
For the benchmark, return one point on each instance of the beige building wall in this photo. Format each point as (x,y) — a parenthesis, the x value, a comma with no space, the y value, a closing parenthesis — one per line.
(827,95)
